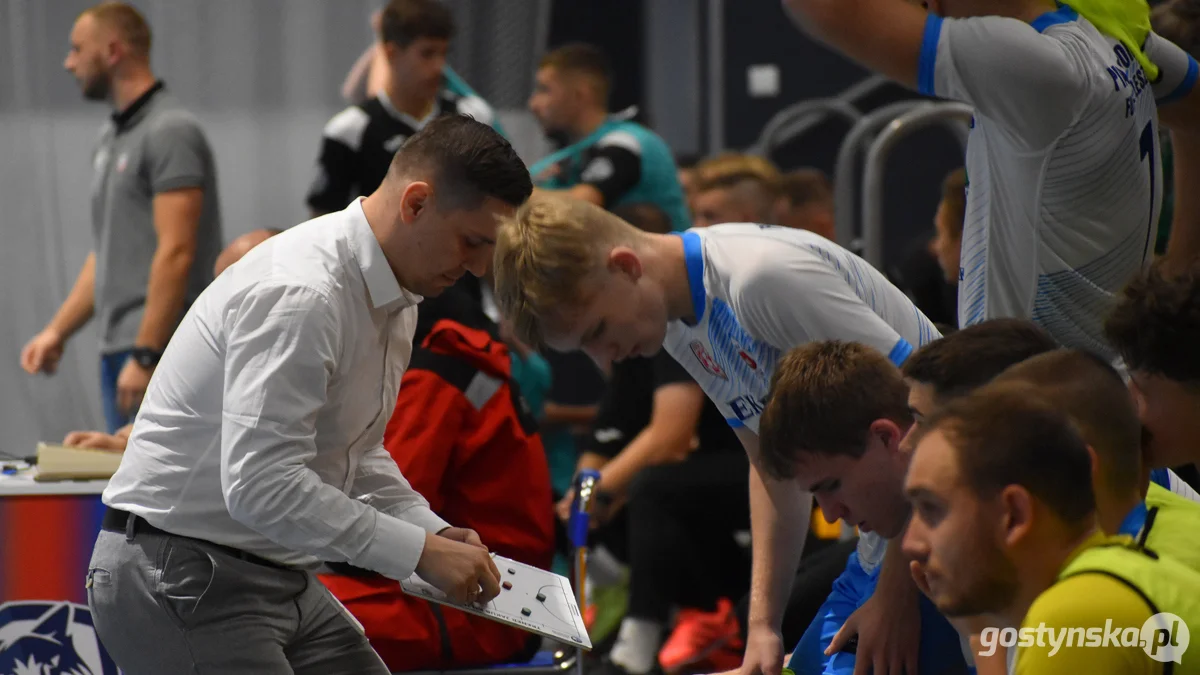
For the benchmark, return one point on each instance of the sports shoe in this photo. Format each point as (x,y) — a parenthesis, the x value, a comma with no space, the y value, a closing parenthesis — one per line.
(699,635)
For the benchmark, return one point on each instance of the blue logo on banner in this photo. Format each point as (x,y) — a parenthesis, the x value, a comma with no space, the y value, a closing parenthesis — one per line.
(50,638)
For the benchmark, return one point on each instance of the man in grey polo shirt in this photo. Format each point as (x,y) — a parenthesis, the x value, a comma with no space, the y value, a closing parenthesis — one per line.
(155,213)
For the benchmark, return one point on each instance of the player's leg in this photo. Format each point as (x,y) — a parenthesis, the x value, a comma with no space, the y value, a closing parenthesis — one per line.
(163,604)
(329,640)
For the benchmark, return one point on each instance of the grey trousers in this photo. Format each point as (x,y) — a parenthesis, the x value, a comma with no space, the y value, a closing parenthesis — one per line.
(164,604)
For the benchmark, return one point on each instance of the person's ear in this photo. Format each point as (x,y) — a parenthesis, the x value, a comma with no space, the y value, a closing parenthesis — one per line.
(626,261)
(414,201)
(1016,514)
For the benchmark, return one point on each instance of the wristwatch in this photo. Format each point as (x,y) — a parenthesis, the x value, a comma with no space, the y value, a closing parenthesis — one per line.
(146,357)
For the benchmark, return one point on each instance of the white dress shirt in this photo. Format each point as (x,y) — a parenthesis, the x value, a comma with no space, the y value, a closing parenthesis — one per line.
(262,427)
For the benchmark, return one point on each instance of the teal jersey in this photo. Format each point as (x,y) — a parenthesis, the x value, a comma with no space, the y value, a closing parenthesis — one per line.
(626,162)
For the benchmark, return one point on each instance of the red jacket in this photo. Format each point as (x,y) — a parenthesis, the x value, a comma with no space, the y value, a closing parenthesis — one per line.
(465,440)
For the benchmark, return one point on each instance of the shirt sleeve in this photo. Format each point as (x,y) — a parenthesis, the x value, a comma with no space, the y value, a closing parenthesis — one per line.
(281,347)
(177,154)
(1177,69)
(1095,603)
(615,166)
(336,182)
(796,300)
(1007,70)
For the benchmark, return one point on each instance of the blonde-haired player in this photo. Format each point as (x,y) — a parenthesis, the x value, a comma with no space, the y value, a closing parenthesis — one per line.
(726,301)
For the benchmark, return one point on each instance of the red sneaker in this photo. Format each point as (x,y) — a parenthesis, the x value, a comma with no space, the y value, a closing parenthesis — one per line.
(700,635)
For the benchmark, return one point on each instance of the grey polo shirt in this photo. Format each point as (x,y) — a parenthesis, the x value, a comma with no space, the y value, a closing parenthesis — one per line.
(152,146)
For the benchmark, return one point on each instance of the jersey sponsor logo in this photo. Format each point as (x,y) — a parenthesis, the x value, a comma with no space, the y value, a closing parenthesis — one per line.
(51,638)
(706,360)
(748,359)
(122,162)
(746,407)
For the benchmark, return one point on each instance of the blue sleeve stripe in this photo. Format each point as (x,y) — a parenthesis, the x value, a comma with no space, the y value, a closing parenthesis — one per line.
(1185,87)
(900,352)
(929,48)
(1161,477)
(735,422)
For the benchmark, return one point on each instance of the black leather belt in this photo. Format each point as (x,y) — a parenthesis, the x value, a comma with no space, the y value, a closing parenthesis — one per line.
(124,522)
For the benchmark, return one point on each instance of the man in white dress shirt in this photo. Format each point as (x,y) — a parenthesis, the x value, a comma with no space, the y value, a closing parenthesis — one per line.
(257,452)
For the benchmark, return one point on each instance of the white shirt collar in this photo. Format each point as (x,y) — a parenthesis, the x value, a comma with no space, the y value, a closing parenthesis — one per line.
(385,291)
(405,117)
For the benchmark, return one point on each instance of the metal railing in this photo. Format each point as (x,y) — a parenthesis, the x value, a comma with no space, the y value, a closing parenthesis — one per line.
(800,118)
(795,120)
(953,115)
(845,204)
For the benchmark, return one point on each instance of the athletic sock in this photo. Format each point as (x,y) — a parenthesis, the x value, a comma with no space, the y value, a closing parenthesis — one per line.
(638,642)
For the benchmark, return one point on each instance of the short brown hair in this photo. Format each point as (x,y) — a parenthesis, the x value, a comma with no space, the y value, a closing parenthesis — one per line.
(405,21)
(546,254)
(1155,325)
(1179,22)
(971,357)
(469,162)
(823,399)
(1092,393)
(1009,435)
(807,186)
(127,21)
(585,59)
(954,196)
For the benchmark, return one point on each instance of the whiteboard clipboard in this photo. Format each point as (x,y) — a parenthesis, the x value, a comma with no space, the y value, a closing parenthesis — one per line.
(555,615)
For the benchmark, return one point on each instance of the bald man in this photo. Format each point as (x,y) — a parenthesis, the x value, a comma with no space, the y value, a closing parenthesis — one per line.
(240,247)
(116,441)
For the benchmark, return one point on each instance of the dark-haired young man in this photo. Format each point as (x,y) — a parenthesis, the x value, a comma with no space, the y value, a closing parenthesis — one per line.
(833,423)
(258,450)
(358,143)
(970,358)
(604,159)
(1005,524)
(1155,327)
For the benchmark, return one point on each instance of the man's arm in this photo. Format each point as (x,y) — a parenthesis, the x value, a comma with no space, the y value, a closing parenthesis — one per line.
(968,60)
(421,438)
(673,421)
(41,354)
(779,517)
(77,309)
(176,219)
(614,168)
(1178,101)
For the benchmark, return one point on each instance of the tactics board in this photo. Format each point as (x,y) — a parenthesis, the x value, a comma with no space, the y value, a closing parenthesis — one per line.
(531,599)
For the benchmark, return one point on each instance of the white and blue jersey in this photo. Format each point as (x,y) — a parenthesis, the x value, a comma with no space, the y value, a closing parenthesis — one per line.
(1167,479)
(760,290)
(1065,179)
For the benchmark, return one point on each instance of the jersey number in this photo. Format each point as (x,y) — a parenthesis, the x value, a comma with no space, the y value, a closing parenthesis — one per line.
(1147,150)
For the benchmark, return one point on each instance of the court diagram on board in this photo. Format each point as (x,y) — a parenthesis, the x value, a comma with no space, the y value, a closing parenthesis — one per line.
(532,599)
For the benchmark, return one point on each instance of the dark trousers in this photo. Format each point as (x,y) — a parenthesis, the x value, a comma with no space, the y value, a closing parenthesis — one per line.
(814,581)
(679,526)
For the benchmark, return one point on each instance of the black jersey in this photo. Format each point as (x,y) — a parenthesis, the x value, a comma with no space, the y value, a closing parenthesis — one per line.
(358,143)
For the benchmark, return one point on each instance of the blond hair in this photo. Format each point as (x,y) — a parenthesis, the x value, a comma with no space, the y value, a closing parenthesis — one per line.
(731,168)
(546,255)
